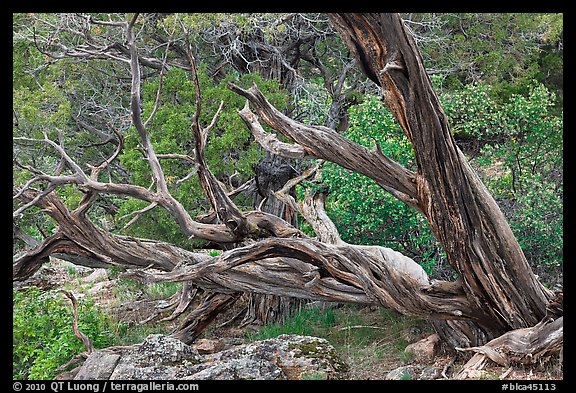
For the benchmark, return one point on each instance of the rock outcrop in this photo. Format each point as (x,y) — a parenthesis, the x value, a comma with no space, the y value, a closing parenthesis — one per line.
(424,350)
(412,372)
(161,357)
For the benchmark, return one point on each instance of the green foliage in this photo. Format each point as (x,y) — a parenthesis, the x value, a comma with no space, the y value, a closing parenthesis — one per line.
(504,50)
(522,166)
(307,322)
(317,376)
(42,332)
(363,212)
(230,148)
(537,222)
(520,162)
(365,336)
(474,112)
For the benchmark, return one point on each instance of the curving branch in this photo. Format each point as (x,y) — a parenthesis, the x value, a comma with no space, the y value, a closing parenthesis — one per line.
(222,205)
(324,143)
(523,346)
(386,278)
(269,141)
(497,292)
(136,111)
(77,332)
(290,266)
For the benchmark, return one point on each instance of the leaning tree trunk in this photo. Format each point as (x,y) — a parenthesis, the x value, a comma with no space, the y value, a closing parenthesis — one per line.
(494,273)
(459,209)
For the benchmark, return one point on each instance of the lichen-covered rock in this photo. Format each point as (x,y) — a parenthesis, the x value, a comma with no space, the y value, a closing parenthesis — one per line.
(430,372)
(283,357)
(238,369)
(158,357)
(161,357)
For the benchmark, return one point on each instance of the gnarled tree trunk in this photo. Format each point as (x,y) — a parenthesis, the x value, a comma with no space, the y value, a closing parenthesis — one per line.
(497,300)
(479,244)
(461,212)
(271,174)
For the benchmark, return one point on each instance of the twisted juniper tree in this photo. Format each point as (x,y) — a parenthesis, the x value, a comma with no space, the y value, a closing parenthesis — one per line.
(497,307)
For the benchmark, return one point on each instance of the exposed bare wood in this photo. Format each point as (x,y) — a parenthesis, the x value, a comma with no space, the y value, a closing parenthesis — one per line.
(520,346)
(461,212)
(222,205)
(269,141)
(199,318)
(325,143)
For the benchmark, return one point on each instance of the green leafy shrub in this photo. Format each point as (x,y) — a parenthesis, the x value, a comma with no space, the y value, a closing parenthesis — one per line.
(537,222)
(519,159)
(363,212)
(523,170)
(42,334)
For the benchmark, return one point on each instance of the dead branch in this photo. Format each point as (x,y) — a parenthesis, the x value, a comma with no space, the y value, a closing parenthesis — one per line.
(385,276)
(524,346)
(269,141)
(324,143)
(81,336)
(225,209)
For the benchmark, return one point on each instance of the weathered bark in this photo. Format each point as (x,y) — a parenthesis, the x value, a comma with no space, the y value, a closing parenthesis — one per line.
(325,143)
(271,173)
(266,309)
(496,293)
(311,145)
(198,319)
(520,346)
(261,308)
(461,212)
(302,268)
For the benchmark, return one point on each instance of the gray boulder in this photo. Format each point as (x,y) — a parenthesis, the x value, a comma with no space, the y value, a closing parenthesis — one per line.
(413,372)
(162,357)
(284,357)
(158,357)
